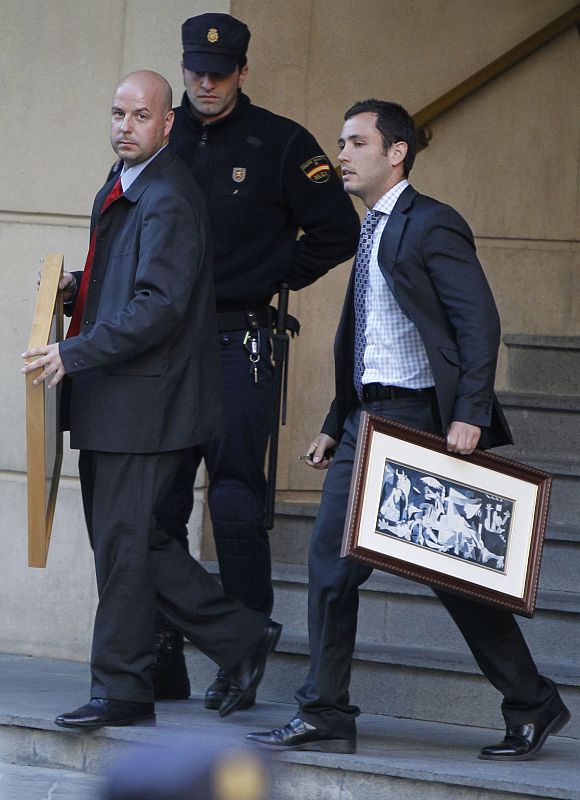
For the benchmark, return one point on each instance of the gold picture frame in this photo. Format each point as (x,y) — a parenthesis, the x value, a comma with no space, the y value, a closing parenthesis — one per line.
(43,434)
(472,525)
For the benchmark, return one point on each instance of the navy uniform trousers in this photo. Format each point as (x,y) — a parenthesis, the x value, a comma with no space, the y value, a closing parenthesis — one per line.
(237,484)
(492,635)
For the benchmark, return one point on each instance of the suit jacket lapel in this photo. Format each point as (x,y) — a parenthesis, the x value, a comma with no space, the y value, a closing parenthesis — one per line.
(390,240)
(143,180)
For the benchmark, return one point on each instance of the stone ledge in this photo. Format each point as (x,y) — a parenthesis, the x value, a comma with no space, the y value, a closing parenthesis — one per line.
(426,658)
(396,757)
(548,600)
(542,342)
(540,402)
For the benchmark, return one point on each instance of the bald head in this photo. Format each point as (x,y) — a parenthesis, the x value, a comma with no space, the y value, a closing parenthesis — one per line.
(151,83)
(141,116)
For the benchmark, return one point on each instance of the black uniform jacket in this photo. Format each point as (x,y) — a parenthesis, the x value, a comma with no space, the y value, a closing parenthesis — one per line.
(265,177)
(143,371)
(427,257)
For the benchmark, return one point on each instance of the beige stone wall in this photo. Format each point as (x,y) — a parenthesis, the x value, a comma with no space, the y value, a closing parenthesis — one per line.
(59,62)
(507,158)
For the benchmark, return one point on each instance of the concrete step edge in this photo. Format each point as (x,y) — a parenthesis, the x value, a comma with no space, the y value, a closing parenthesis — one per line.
(563,532)
(374,760)
(290,508)
(535,341)
(23,782)
(308,511)
(390,747)
(540,401)
(376,756)
(548,600)
(427,774)
(553,463)
(428,658)
(294,642)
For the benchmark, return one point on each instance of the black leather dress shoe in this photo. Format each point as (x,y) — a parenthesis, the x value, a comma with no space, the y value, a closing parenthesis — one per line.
(99,712)
(170,679)
(524,741)
(300,735)
(218,691)
(244,678)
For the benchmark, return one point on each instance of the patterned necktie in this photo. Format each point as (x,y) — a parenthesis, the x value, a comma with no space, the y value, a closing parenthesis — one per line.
(361,280)
(75,325)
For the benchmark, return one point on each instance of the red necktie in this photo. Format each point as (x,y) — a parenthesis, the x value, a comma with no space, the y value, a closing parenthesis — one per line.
(75,325)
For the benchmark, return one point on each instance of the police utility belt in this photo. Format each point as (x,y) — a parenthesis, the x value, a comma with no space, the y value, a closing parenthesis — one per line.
(259,317)
(252,320)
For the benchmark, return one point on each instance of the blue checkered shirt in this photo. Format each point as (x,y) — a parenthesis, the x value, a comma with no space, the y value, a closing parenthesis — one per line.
(394,354)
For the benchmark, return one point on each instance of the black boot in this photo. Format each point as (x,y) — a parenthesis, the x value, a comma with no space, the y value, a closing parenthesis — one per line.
(170,679)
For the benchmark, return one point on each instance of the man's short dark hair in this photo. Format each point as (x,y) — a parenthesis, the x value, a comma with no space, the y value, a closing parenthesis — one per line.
(394,123)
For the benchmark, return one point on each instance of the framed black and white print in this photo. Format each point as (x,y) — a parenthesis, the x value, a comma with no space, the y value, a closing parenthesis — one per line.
(472,525)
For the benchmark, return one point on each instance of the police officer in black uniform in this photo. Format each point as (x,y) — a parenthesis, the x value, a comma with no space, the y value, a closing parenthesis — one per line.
(264,178)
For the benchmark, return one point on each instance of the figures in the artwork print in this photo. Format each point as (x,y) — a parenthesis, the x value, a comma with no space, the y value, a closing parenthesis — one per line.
(457,520)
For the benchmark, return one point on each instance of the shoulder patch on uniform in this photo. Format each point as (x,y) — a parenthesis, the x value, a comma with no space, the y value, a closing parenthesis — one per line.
(317,169)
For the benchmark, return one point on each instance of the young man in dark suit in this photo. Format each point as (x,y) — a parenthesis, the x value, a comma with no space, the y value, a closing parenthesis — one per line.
(143,381)
(417,343)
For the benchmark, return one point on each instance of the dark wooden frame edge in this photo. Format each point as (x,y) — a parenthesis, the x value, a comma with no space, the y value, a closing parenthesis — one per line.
(524,606)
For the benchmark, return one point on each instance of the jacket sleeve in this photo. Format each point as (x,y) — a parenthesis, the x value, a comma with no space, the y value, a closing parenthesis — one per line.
(330,425)
(166,270)
(68,305)
(320,208)
(451,261)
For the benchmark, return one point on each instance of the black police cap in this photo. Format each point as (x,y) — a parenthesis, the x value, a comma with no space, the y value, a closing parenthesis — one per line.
(214,43)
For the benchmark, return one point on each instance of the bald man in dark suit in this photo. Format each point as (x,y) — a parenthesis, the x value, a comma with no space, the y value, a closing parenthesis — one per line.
(142,382)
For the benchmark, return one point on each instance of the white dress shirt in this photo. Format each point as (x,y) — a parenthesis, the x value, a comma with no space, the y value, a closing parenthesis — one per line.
(394,353)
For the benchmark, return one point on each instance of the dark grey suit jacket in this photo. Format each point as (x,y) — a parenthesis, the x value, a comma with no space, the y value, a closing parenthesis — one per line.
(143,372)
(427,256)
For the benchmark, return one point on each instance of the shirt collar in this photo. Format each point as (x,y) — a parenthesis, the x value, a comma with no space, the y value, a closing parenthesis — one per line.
(129,175)
(386,203)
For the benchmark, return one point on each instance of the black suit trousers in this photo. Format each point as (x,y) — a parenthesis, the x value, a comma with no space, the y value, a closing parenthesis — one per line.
(139,566)
(492,635)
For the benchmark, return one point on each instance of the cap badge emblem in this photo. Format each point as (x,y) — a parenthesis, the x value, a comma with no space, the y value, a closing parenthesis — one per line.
(239,174)
(212,35)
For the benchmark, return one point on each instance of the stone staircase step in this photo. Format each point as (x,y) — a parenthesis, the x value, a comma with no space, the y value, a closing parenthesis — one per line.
(547,364)
(40,783)
(290,538)
(422,683)
(418,683)
(561,558)
(546,424)
(403,612)
(406,639)
(565,496)
(395,759)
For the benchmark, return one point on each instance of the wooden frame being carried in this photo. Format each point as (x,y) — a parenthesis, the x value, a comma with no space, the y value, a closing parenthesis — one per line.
(43,435)
(472,525)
